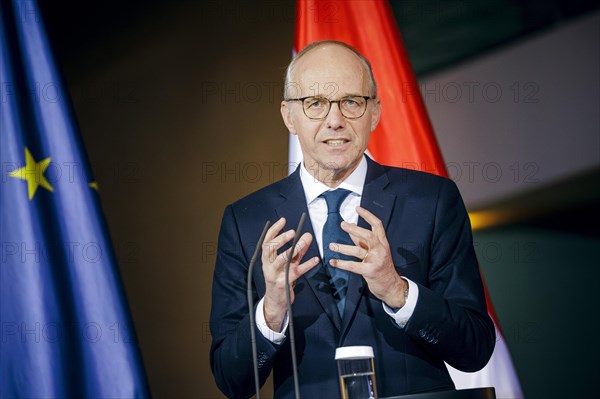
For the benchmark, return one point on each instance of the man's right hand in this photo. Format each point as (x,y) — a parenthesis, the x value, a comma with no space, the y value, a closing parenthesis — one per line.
(273,264)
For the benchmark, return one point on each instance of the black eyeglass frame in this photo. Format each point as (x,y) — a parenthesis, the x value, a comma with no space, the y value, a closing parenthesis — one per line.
(366,98)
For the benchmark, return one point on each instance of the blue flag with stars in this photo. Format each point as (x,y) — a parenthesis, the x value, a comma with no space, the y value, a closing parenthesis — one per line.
(64,321)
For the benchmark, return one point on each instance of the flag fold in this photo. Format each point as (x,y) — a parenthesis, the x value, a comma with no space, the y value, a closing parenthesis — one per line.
(65,325)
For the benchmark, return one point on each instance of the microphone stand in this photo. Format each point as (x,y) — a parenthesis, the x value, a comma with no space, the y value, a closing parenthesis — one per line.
(251,307)
(289,305)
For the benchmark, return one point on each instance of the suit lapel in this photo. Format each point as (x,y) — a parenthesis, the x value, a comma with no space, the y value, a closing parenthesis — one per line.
(292,207)
(381,204)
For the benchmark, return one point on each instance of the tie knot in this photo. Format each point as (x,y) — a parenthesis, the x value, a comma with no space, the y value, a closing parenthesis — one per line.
(334,199)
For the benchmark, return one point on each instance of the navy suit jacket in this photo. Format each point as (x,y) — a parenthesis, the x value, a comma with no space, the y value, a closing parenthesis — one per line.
(430,240)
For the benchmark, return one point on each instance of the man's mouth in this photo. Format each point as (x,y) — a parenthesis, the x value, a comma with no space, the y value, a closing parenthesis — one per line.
(335,142)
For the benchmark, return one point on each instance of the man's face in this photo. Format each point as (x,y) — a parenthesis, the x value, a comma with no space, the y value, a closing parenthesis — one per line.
(333,147)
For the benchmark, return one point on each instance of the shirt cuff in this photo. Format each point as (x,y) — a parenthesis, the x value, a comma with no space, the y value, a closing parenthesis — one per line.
(273,336)
(402,316)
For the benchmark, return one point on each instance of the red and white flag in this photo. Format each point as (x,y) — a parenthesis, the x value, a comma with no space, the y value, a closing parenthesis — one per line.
(404,136)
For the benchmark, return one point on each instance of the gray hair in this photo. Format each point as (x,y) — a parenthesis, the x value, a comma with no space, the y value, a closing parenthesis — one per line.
(290,69)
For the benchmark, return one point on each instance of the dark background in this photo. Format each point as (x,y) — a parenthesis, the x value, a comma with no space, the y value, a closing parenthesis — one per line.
(178,105)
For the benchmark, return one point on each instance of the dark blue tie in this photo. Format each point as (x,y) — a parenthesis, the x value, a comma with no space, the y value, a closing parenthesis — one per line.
(332,232)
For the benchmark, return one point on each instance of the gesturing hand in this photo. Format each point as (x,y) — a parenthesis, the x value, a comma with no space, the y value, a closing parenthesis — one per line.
(377,266)
(273,264)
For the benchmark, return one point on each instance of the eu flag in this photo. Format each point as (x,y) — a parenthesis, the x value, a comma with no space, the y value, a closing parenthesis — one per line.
(64,322)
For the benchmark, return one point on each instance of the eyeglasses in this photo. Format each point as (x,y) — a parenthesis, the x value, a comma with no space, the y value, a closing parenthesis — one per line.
(317,108)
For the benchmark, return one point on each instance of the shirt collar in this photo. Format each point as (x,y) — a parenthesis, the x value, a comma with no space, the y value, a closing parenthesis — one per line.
(314,188)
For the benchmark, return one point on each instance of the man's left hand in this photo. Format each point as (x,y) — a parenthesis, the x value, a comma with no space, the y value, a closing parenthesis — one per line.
(377,266)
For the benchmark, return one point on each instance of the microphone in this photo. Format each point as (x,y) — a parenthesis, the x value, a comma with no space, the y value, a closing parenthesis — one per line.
(289,305)
(251,307)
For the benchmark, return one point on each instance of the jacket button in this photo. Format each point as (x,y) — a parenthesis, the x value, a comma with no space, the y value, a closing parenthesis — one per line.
(422,333)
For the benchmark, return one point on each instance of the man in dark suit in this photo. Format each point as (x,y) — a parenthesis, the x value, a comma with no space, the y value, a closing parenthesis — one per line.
(399,272)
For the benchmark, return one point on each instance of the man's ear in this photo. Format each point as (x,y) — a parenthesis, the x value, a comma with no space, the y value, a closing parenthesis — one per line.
(286,114)
(376,116)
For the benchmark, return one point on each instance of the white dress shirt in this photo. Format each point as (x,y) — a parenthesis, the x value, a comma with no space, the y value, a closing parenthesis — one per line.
(317,210)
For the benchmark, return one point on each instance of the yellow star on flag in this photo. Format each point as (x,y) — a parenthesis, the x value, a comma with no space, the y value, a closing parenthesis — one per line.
(33,173)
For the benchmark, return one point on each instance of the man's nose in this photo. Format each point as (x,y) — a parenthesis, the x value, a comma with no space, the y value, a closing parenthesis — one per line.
(335,119)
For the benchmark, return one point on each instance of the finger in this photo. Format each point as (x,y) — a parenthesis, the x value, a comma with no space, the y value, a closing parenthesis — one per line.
(374,221)
(270,248)
(350,250)
(274,230)
(303,244)
(359,235)
(273,241)
(301,247)
(349,265)
(280,240)
(298,271)
(359,242)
